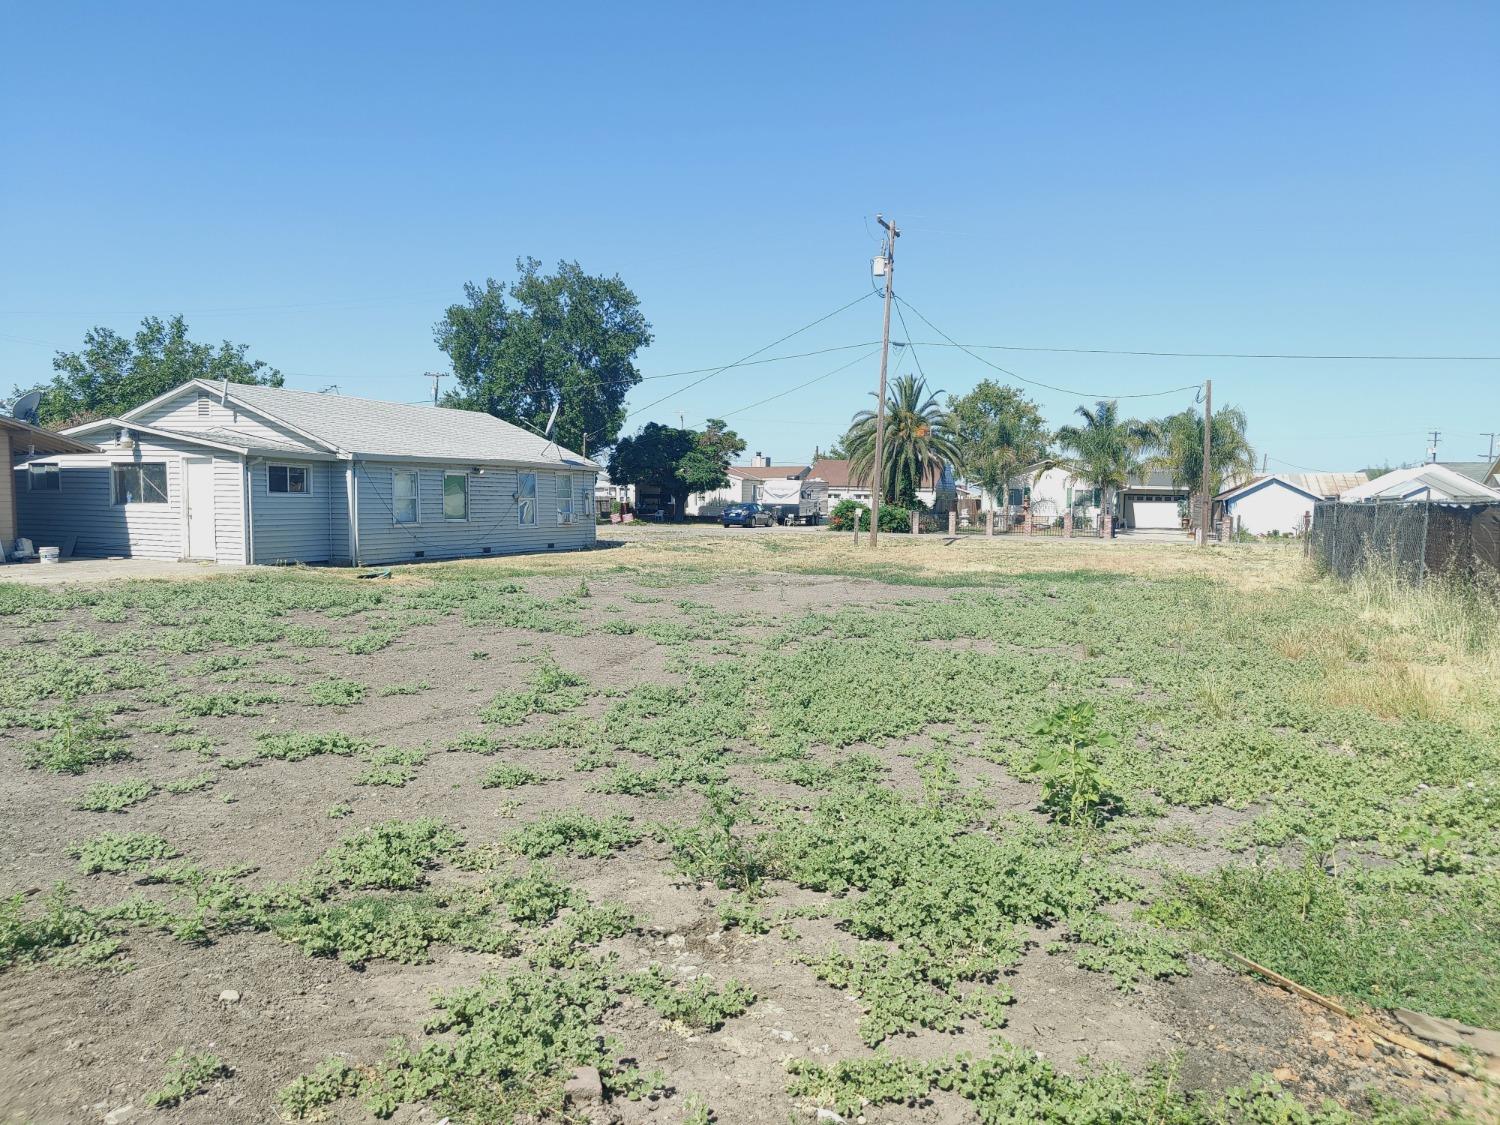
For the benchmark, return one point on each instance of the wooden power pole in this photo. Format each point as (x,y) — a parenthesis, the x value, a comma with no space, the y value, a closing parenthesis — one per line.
(1208,449)
(878,485)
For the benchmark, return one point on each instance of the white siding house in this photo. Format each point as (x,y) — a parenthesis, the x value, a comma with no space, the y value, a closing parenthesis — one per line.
(1283,503)
(252,474)
(21,441)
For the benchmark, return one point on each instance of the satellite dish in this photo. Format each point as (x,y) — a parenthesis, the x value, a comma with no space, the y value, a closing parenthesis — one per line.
(25,407)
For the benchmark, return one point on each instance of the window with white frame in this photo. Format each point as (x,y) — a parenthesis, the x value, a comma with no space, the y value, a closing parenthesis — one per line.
(455,496)
(143,482)
(287,478)
(43,478)
(405,493)
(564,499)
(526,499)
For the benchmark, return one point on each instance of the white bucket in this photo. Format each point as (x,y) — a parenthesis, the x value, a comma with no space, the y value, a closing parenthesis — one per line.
(48,554)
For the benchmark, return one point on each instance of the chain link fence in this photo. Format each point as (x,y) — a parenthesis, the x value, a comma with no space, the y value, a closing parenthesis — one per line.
(1413,539)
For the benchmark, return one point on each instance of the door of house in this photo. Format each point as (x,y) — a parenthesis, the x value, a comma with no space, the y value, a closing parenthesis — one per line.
(198,473)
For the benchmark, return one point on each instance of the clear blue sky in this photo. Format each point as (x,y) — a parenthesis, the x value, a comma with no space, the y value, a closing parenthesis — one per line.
(319,180)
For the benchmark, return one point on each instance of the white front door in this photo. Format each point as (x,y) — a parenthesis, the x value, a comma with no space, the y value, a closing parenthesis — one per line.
(198,473)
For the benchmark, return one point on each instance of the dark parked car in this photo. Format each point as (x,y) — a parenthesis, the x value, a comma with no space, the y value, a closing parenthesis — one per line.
(747,515)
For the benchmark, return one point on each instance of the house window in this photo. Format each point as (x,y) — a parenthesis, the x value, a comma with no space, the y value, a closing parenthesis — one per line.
(43,478)
(143,483)
(526,499)
(1097,498)
(455,496)
(564,499)
(286,478)
(404,493)
(1015,498)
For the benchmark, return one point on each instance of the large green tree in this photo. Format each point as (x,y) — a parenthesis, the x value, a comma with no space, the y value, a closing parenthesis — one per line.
(565,339)
(112,374)
(1178,443)
(1106,450)
(705,467)
(676,461)
(998,432)
(919,441)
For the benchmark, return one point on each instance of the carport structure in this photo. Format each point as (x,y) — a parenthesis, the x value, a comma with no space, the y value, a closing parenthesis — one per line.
(18,440)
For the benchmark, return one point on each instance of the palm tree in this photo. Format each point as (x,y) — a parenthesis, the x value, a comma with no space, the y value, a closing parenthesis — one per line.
(1106,451)
(918,441)
(1178,439)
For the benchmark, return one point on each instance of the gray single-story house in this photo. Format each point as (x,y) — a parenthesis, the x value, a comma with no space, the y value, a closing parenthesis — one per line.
(238,473)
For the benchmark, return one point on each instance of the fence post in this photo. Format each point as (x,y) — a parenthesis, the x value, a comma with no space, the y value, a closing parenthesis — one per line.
(1026,517)
(953,521)
(1107,525)
(1068,524)
(989,522)
(915,526)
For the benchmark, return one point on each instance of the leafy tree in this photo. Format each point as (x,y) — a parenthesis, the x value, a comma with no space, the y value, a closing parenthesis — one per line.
(566,339)
(706,466)
(835,452)
(1106,450)
(919,441)
(1178,440)
(676,462)
(998,431)
(112,374)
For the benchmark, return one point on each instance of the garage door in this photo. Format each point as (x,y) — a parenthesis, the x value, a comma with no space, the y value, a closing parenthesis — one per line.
(1156,513)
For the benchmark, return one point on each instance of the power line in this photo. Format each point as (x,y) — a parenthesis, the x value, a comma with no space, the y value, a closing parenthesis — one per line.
(747,358)
(1034,382)
(800,386)
(1206,355)
(905,331)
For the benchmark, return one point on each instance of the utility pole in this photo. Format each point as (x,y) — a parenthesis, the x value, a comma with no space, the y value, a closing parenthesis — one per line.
(1491,454)
(1208,448)
(435,376)
(878,485)
(1432,449)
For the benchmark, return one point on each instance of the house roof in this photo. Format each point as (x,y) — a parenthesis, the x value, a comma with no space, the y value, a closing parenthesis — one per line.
(25,436)
(211,437)
(369,428)
(1317,486)
(767,472)
(1477,471)
(836,473)
(1431,481)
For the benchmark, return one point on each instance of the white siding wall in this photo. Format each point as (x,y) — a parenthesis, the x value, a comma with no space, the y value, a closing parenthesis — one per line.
(83,505)
(1272,507)
(297,527)
(492,518)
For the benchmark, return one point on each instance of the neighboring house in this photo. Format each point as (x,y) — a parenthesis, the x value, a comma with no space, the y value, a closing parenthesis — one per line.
(1428,482)
(1282,503)
(1150,501)
(744,485)
(939,487)
(248,474)
(21,441)
(609,494)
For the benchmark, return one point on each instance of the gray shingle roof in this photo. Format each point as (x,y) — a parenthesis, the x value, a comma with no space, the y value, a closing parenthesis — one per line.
(373,429)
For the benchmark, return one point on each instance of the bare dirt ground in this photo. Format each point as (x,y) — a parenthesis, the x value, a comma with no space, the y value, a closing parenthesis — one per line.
(87,1044)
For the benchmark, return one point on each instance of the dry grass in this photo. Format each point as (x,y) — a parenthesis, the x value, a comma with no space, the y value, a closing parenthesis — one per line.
(931,557)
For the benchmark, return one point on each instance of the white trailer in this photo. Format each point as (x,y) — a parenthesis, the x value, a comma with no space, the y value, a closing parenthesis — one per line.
(795,501)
